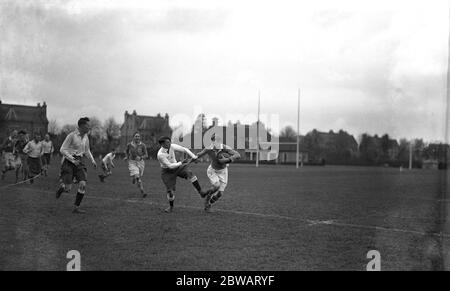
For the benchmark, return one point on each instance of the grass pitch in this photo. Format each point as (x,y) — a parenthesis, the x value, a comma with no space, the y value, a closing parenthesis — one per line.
(270,218)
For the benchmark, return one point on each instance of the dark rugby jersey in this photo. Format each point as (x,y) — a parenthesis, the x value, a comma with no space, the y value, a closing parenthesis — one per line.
(136,150)
(213,154)
(8,145)
(19,146)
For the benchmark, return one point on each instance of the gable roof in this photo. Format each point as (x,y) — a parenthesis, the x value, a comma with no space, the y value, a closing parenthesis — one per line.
(11,112)
(147,123)
(152,123)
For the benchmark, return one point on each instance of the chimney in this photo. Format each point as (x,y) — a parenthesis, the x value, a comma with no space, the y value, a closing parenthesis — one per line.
(44,110)
(134,112)
(39,105)
(215,121)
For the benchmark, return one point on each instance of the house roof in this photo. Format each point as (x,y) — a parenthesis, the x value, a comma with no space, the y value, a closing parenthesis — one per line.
(149,123)
(11,112)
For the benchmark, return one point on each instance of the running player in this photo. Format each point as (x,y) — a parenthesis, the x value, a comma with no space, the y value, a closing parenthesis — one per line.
(47,147)
(107,164)
(171,169)
(34,151)
(135,153)
(74,148)
(220,155)
(7,149)
(21,157)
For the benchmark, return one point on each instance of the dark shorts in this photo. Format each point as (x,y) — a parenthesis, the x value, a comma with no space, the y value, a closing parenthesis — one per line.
(46,159)
(34,166)
(24,159)
(169,176)
(105,169)
(70,171)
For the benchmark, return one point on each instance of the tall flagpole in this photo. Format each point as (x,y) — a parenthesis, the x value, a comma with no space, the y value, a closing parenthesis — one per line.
(410,154)
(447,112)
(298,129)
(257,130)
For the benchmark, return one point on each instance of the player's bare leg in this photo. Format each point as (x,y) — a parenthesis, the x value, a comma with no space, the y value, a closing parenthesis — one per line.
(18,170)
(79,197)
(140,185)
(24,172)
(171,199)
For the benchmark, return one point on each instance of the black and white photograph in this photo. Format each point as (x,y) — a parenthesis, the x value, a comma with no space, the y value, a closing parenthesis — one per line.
(233,139)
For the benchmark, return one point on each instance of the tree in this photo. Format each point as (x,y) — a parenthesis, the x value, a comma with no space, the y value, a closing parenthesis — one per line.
(385,144)
(97,135)
(68,128)
(369,149)
(288,132)
(53,127)
(312,145)
(112,132)
(112,129)
(418,148)
(97,131)
(403,151)
(345,146)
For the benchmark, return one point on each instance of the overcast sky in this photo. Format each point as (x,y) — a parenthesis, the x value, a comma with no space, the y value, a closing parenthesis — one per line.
(363,66)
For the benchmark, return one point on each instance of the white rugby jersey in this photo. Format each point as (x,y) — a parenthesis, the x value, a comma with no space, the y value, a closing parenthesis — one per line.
(47,147)
(167,158)
(33,149)
(109,158)
(76,145)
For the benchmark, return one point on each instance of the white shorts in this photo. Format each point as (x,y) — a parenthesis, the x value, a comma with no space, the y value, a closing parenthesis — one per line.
(218,177)
(12,161)
(136,168)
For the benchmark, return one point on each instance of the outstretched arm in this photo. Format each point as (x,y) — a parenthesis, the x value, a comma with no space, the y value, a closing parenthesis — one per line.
(145,153)
(126,153)
(89,154)
(234,155)
(202,153)
(179,148)
(27,149)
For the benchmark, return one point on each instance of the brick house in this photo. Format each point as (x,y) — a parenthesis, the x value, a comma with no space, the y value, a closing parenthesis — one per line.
(32,119)
(150,128)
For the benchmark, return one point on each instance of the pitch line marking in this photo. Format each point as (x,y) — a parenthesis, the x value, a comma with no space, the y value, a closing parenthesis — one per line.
(310,222)
(21,182)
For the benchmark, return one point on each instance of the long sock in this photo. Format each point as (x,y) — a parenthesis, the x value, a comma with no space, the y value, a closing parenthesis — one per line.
(78,199)
(60,190)
(171,199)
(141,187)
(196,185)
(215,197)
